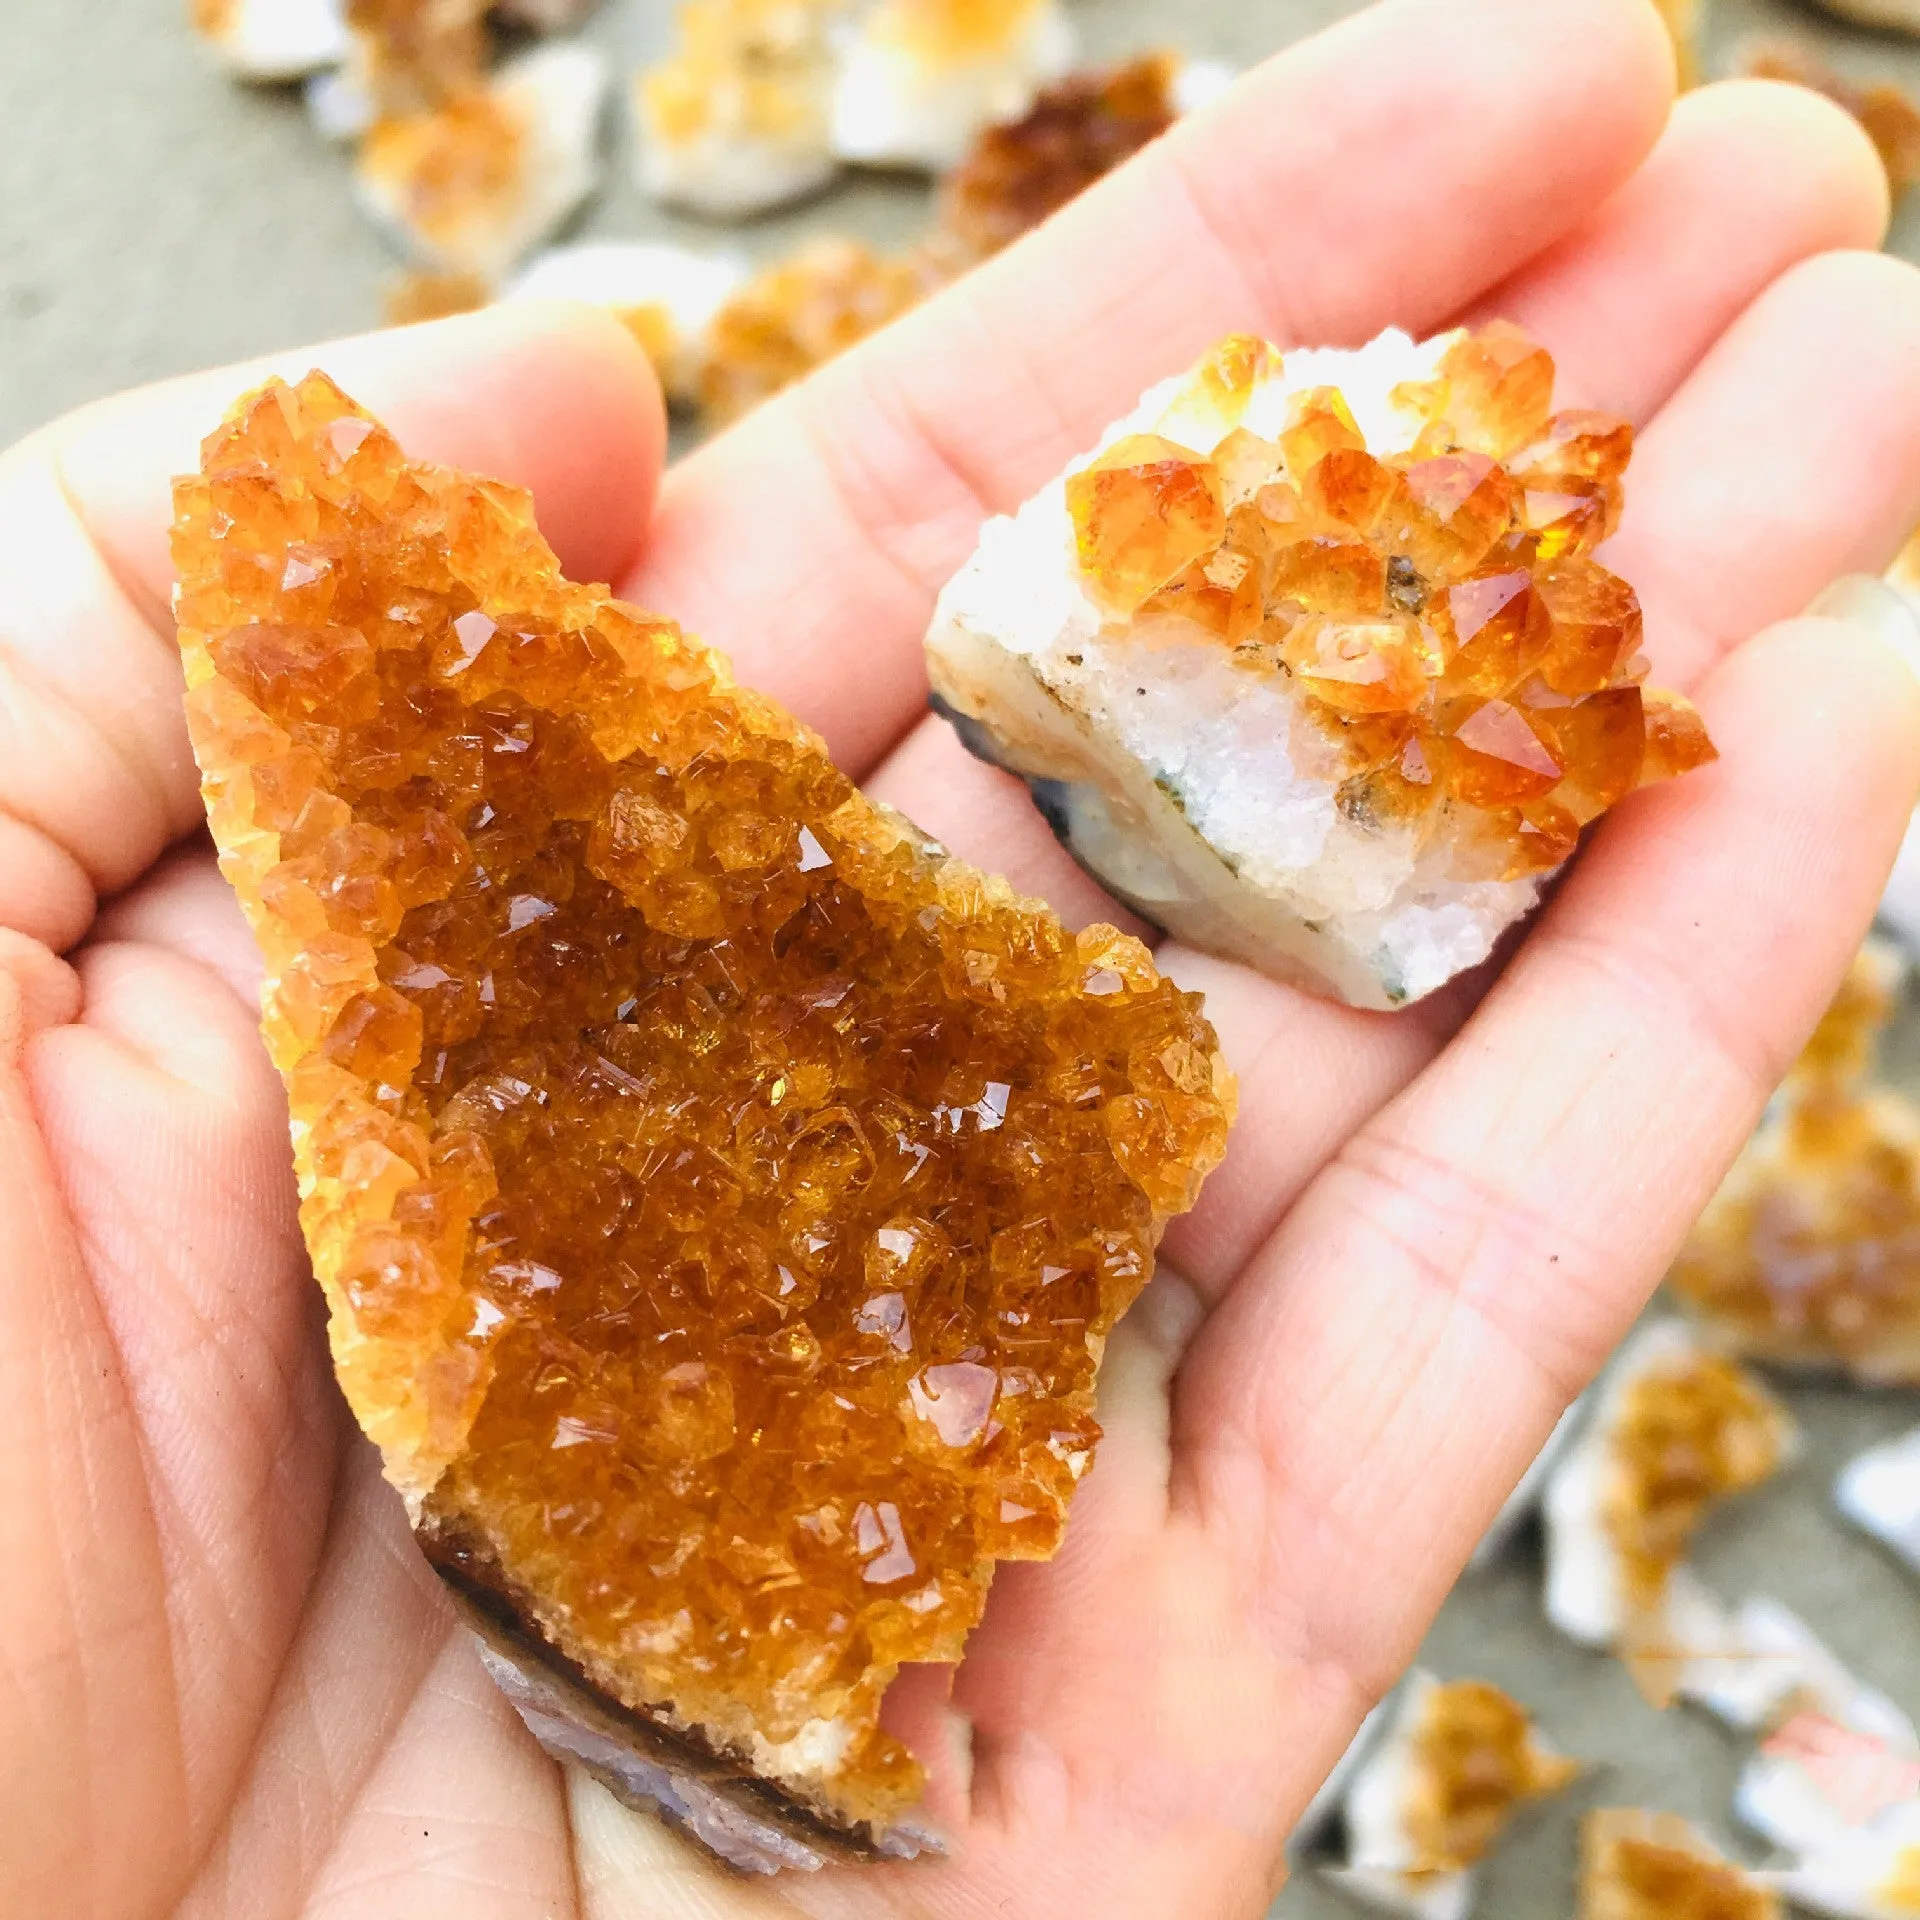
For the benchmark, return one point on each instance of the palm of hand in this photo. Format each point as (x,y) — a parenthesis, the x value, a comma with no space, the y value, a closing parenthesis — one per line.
(230,1686)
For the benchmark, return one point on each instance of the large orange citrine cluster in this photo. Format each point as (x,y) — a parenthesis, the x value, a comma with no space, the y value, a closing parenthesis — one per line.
(722,1196)
(1810,1251)
(1440,610)
(1475,1761)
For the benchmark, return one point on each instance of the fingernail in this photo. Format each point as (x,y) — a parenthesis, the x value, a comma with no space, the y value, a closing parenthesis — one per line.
(1865,600)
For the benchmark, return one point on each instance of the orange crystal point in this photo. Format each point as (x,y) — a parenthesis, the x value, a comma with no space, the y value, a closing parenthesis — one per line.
(721,1195)
(1475,1762)
(799,313)
(1636,1865)
(1807,1252)
(1142,512)
(1452,583)
(1019,173)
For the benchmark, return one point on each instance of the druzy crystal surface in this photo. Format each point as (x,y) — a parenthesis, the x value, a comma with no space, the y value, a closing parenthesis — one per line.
(1439,609)
(797,314)
(1474,1762)
(1312,660)
(1685,1435)
(1810,1251)
(721,1195)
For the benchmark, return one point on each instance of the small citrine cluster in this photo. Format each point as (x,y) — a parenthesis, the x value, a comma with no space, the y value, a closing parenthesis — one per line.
(1474,1762)
(1689,1433)
(1655,1866)
(722,1196)
(799,313)
(1462,657)
(1811,1250)
(1083,127)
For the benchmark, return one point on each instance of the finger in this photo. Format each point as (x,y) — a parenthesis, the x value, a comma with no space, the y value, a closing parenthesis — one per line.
(1399,1350)
(1386,171)
(1792,455)
(48,989)
(97,777)
(1749,178)
(185,906)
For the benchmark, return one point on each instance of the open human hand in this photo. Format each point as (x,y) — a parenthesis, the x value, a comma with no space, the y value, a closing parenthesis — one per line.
(228,1684)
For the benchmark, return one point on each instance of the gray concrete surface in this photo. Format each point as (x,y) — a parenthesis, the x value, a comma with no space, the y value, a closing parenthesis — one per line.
(155,218)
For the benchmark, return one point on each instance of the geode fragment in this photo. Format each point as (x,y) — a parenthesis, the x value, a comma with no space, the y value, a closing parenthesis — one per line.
(1443,1772)
(1311,663)
(721,1195)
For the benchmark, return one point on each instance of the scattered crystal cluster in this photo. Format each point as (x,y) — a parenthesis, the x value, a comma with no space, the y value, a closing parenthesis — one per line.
(1019,172)
(1433,1782)
(919,79)
(738,118)
(1676,1429)
(797,314)
(1636,1865)
(722,1196)
(1810,1251)
(1312,661)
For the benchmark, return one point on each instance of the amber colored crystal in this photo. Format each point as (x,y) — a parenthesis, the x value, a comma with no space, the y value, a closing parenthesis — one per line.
(949,32)
(722,1196)
(1810,1252)
(1474,1762)
(1020,172)
(1690,1431)
(746,68)
(409,298)
(1143,512)
(453,166)
(798,313)
(1888,113)
(1451,587)
(1636,1865)
(1682,19)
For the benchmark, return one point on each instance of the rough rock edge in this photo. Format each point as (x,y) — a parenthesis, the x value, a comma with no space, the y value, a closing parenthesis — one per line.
(754,1824)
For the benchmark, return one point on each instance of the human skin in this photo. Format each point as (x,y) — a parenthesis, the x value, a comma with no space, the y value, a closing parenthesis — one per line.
(228,1684)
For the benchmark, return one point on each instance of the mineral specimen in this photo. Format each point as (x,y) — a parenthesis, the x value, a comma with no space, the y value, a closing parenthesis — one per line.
(667,297)
(919,78)
(1810,1251)
(272,39)
(1442,1777)
(1311,662)
(735,120)
(721,1195)
(1022,170)
(798,313)
(470,186)
(1636,1865)
(1676,1428)
(1886,112)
